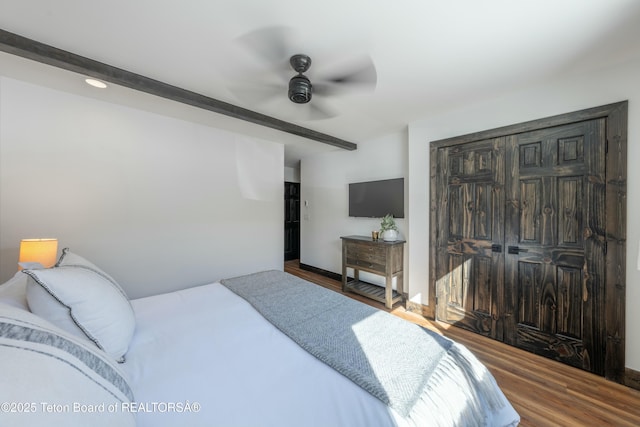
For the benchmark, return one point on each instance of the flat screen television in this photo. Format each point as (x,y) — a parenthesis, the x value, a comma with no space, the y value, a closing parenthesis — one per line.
(375,199)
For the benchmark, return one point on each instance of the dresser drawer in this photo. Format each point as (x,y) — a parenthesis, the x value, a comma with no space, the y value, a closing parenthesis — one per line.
(367,256)
(367,252)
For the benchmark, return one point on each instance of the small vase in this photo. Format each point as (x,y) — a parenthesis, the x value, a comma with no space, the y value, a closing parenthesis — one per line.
(390,235)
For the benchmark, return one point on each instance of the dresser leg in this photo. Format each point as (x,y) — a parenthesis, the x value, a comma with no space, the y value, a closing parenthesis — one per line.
(388,293)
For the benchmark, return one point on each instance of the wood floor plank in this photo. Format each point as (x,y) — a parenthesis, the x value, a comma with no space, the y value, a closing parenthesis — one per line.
(543,391)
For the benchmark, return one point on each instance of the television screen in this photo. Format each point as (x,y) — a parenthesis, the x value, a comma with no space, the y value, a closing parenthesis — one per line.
(375,199)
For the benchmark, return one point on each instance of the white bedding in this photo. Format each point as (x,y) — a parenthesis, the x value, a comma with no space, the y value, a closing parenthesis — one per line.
(204,357)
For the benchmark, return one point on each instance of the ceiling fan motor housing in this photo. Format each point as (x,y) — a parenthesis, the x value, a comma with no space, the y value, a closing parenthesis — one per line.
(300,89)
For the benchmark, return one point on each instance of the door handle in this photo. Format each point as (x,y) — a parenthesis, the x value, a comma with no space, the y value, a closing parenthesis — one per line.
(515,250)
(496,248)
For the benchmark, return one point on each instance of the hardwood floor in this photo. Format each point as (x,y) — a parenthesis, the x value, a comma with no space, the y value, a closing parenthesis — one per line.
(544,392)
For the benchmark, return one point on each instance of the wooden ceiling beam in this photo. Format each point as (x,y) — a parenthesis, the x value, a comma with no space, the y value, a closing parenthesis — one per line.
(40,52)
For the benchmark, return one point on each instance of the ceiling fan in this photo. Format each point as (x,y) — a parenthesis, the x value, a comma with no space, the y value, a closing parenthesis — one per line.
(272,47)
(300,88)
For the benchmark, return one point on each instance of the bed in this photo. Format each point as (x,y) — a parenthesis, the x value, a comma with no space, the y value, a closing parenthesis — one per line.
(265,349)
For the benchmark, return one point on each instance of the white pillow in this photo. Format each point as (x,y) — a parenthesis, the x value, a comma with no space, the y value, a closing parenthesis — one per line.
(85,303)
(14,290)
(72,259)
(44,368)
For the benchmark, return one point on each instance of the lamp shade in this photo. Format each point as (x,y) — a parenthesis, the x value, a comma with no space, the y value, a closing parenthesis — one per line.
(43,251)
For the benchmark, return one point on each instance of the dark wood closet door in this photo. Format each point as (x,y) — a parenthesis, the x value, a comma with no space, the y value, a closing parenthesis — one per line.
(554,258)
(516,259)
(470,261)
(528,236)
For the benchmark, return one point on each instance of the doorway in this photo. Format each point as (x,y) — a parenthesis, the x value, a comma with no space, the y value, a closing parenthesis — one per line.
(291,220)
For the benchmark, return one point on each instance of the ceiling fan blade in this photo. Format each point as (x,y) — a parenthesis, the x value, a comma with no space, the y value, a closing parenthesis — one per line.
(359,74)
(328,89)
(270,44)
(318,110)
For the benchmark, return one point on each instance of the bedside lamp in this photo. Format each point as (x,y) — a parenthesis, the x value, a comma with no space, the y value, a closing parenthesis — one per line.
(43,251)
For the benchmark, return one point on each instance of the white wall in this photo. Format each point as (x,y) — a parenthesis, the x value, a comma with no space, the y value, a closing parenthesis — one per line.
(291,174)
(324,193)
(159,203)
(579,91)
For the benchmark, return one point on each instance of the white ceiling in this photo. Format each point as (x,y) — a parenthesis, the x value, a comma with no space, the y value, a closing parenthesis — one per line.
(430,55)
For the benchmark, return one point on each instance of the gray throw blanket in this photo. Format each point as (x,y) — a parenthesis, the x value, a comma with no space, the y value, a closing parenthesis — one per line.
(396,361)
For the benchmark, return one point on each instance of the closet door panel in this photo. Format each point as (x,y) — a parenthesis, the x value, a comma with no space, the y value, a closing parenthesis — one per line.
(554,279)
(470,267)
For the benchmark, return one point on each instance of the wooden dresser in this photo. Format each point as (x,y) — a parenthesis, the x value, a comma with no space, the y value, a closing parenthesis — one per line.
(362,253)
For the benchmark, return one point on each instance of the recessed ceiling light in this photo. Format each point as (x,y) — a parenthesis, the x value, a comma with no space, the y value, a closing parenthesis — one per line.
(96,83)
